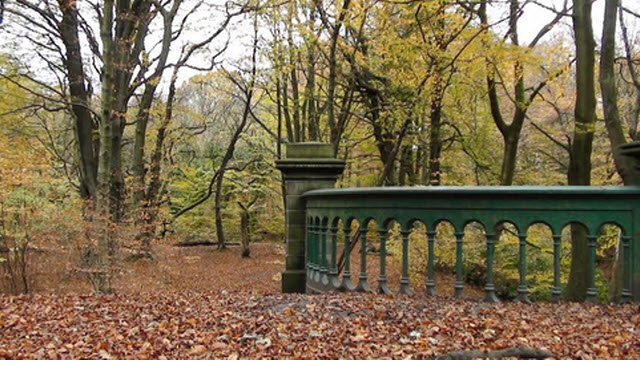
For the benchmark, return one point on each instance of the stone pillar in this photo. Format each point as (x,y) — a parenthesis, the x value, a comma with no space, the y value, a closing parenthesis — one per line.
(306,166)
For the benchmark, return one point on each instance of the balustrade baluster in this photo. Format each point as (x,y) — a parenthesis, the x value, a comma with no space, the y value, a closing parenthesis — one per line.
(363,285)
(489,288)
(317,267)
(522,269)
(591,290)
(346,284)
(431,283)
(324,268)
(308,245)
(556,293)
(333,272)
(459,285)
(404,281)
(314,251)
(382,280)
(626,283)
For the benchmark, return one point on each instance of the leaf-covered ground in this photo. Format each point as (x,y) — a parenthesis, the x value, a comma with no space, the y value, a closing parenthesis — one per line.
(243,315)
(224,324)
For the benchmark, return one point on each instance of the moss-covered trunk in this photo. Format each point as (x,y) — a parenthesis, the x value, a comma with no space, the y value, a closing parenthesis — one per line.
(580,156)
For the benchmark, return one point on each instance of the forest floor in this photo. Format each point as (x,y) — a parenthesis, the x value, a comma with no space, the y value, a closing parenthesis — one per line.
(198,302)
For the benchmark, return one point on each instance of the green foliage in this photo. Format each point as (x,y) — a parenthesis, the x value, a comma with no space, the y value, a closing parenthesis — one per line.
(212,110)
(187,185)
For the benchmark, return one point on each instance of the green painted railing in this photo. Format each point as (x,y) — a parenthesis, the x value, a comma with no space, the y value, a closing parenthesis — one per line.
(554,206)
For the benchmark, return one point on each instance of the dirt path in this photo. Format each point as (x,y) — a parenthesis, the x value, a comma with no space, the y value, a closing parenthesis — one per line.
(199,268)
(204,268)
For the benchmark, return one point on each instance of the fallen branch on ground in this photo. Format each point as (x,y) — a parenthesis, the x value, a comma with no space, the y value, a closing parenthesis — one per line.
(202,242)
(520,352)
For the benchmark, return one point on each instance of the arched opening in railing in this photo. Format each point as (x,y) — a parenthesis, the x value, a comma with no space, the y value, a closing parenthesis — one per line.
(488,229)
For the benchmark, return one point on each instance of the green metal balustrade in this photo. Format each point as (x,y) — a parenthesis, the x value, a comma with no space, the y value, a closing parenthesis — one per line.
(553,206)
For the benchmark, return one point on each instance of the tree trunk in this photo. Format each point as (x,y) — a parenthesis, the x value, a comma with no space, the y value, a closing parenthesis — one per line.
(384,140)
(510,131)
(435,140)
(128,33)
(438,90)
(297,132)
(509,158)
(291,137)
(117,186)
(616,281)
(144,109)
(149,211)
(579,272)
(85,128)
(309,92)
(99,257)
(244,231)
(218,208)
(624,165)
(334,128)
(385,148)
(580,156)
(405,175)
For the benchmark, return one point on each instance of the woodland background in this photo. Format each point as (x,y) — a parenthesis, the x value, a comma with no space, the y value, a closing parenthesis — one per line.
(126,125)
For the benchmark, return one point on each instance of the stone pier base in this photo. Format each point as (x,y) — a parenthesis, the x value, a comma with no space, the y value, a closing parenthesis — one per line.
(306,166)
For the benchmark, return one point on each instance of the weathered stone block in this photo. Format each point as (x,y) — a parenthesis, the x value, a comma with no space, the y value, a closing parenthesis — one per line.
(309,150)
(307,166)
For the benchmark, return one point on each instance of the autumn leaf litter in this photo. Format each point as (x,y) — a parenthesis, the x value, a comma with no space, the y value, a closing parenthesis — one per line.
(240,324)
